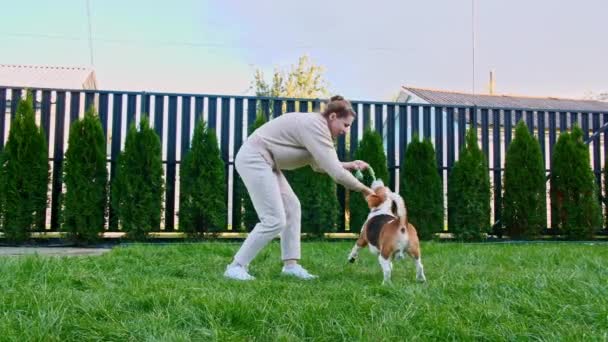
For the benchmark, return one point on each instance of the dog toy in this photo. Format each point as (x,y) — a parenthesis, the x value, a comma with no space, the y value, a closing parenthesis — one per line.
(359,174)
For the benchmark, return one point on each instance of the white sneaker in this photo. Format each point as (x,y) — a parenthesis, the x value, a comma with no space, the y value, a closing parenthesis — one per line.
(298,272)
(237,272)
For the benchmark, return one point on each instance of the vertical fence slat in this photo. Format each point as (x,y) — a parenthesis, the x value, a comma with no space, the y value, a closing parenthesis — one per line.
(57,159)
(74,106)
(145,105)
(485,144)
(462,126)
(541,134)
(390,143)
(518,116)
(225,138)
(340,192)
(304,106)
(597,165)
(403,135)
(552,135)
(236,181)
(291,106)
(573,119)
(103,113)
(89,100)
(212,116)
(171,165)
(115,137)
(15,98)
(186,110)
(508,128)
(45,115)
(354,134)
(530,121)
(473,118)
(605,134)
(199,103)
(585,125)
(251,114)
(2,116)
(225,144)
(451,138)
(159,107)
(265,104)
(497,165)
(277,108)
(563,124)
(378,122)
(439,139)
(415,120)
(131,109)
(426,122)
(366,117)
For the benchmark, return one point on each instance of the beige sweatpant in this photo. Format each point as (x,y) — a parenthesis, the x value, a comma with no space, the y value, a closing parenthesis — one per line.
(276,204)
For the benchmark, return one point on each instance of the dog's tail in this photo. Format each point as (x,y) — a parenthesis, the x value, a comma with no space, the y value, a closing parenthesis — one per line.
(401,211)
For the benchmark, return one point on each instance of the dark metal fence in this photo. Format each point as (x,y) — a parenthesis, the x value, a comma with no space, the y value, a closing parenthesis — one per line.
(174,116)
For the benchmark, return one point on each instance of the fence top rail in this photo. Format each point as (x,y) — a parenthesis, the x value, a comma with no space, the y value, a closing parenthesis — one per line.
(253,97)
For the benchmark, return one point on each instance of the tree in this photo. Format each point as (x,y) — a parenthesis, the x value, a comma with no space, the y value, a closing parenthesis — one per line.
(525,205)
(422,188)
(25,174)
(372,151)
(304,80)
(86,180)
(202,184)
(138,185)
(469,193)
(574,195)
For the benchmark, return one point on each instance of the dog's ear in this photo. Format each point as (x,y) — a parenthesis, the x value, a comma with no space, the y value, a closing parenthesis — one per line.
(373,201)
(376,199)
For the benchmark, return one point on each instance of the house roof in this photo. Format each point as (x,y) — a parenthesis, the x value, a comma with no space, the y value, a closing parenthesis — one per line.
(506,101)
(37,76)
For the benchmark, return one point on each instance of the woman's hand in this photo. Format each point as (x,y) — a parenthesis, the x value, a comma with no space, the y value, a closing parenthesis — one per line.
(367,191)
(355,165)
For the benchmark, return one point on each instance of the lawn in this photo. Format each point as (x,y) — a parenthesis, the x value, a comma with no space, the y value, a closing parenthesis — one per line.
(540,291)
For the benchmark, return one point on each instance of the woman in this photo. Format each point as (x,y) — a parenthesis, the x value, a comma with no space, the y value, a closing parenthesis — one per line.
(288,142)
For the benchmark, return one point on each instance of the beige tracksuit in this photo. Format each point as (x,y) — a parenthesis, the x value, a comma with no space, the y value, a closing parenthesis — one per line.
(288,142)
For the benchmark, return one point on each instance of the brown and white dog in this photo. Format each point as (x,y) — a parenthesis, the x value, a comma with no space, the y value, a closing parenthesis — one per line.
(387,232)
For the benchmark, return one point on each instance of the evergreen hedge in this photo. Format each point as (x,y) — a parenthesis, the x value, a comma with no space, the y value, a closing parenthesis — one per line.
(202,185)
(469,193)
(86,180)
(524,202)
(24,175)
(575,207)
(137,190)
(421,187)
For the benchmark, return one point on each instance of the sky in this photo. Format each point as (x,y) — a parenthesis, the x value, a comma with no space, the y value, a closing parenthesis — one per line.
(368,49)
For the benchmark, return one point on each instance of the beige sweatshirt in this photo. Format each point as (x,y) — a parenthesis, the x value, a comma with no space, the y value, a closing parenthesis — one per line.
(294,140)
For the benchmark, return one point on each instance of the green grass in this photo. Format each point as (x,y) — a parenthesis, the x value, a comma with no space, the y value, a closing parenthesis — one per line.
(549,291)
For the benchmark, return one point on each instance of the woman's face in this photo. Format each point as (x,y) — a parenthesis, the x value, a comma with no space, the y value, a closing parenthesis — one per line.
(338,126)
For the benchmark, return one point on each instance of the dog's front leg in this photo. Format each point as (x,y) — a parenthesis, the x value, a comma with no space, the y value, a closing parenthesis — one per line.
(361,243)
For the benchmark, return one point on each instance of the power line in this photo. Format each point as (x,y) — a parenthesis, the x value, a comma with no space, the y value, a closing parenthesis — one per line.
(204,45)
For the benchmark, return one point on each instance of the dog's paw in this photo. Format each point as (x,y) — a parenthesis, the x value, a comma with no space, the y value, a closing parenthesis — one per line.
(352,260)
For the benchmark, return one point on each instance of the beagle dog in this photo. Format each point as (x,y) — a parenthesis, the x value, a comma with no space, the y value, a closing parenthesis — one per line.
(387,232)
